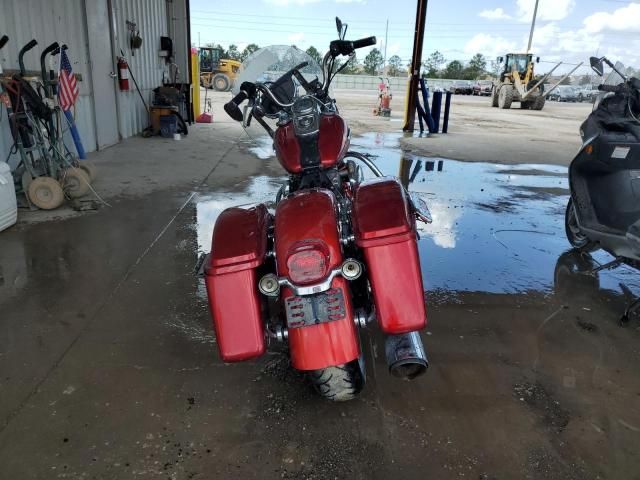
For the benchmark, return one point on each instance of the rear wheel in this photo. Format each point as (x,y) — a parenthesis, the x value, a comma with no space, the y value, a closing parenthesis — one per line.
(75,182)
(340,383)
(538,103)
(505,97)
(89,168)
(45,193)
(576,238)
(220,82)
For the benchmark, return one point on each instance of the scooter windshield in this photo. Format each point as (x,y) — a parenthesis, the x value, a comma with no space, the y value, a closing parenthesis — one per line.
(270,63)
(611,79)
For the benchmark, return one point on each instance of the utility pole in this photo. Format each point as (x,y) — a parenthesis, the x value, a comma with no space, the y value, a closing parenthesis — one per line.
(198,39)
(533,26)
(414,73)
(386,36)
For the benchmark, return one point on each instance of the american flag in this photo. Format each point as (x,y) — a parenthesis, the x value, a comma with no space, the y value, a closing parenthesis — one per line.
(67,85)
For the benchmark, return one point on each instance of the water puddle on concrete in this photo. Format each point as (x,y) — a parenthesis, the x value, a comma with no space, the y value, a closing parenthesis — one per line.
(496,228)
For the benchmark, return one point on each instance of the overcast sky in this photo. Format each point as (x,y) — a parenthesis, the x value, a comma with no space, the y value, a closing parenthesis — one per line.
(568,30)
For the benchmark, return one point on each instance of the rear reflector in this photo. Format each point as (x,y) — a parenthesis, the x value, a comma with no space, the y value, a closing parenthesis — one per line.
(308,262)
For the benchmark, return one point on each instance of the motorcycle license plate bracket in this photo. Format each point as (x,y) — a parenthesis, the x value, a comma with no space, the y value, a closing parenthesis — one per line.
(308,310)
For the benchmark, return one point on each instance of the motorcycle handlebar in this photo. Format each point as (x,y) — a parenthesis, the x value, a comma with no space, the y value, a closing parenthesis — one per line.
(347,47)
(24,50)
(3,40)
(232,107)
(608,88)
(364,42)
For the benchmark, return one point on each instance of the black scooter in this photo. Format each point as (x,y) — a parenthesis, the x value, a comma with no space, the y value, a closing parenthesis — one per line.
(604,177)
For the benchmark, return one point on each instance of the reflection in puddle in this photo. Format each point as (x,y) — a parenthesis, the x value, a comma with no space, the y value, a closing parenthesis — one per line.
(497,228)
(261,189)
(261,146)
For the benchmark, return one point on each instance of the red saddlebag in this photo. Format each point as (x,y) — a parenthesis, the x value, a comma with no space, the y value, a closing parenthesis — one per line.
(385,230)
(239,246)
(316,341)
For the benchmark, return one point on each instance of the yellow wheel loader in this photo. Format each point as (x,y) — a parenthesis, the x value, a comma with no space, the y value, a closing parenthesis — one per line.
(215,72)
(517,83)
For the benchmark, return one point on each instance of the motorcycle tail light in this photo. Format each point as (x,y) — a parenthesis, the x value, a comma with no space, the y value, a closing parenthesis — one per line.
(308,262)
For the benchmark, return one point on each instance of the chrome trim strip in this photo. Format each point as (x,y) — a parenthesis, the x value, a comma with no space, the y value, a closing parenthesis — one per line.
(311,289)
(323,286)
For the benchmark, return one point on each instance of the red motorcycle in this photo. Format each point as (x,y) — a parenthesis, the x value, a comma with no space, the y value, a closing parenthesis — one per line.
(337,252)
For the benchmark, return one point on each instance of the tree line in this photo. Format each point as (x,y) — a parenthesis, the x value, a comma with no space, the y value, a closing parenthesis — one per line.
(435,66)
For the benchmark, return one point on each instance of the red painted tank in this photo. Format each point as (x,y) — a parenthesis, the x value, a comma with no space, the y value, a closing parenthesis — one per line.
(333,143)
(311,216)
(385,230)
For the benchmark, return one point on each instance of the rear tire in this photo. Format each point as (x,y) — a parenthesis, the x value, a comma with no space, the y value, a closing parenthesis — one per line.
(538,103)
(505,97)
(75,182)
(45,193)
(576,238)
(220,82)
(341,383)
(89,168)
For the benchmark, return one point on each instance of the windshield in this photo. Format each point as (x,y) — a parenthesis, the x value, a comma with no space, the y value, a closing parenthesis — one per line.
(269,64)
(613,78)
(517,62)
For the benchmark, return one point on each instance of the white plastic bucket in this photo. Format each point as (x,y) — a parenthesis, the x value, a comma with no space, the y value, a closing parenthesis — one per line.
(8,206)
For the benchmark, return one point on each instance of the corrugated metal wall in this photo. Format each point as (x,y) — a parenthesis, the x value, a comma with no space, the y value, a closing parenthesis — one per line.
(147,67)
(47,21)
(64,21)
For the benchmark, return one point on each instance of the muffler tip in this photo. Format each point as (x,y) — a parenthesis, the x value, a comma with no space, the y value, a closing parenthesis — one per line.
(406,357)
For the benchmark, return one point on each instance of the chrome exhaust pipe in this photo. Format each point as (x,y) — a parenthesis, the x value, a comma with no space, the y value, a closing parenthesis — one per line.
(405,355)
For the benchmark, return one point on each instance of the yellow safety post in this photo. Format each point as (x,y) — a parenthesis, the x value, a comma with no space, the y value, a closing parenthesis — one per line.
(195,82)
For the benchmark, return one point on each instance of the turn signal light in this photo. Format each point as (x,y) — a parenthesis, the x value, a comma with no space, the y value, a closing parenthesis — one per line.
(308,262)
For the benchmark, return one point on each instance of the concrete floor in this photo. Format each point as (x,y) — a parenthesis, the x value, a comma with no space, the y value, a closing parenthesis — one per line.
(108,367)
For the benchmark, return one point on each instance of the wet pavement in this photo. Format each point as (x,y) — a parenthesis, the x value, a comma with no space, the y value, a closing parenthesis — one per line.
(108,366)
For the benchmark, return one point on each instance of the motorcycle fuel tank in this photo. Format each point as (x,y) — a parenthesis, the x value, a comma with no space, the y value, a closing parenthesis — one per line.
(330,147)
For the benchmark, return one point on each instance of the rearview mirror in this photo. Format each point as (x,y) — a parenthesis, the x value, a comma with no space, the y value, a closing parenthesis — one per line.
(500,59)
(342,28)
(596,65)
(537,59)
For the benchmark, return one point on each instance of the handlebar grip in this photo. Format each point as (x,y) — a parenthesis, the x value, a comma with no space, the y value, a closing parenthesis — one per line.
(364,42)
(49,49)
(232,107)
(608,88)
(3,41)
(24,50)
(29,46)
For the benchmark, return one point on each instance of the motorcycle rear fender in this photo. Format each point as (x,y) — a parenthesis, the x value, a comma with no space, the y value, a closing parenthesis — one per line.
(385,230)
(238,248)
(311,215)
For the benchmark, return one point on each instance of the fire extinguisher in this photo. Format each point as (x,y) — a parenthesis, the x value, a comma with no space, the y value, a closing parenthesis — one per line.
(123,74)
